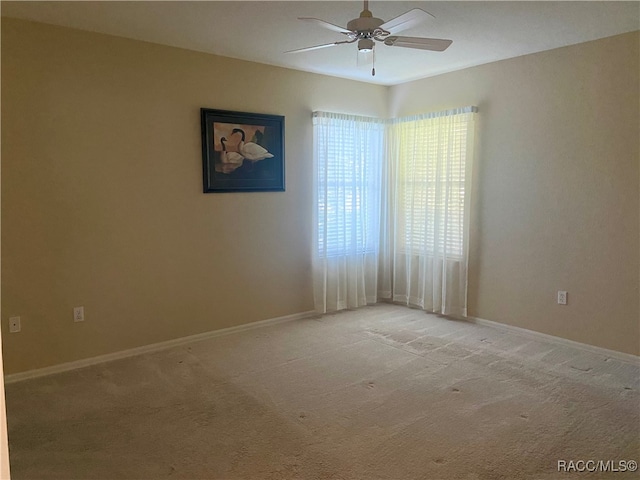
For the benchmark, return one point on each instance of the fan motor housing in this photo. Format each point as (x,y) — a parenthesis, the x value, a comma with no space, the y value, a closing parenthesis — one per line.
(364,24)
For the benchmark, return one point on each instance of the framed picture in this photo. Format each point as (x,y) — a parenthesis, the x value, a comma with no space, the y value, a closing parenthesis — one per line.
(242,152)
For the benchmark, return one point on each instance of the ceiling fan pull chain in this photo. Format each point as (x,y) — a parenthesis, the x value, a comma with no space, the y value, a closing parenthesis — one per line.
(373,70)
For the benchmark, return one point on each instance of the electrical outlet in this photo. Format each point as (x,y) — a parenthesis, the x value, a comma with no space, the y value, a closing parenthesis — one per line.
(78,314)
(562,297)
(14,324)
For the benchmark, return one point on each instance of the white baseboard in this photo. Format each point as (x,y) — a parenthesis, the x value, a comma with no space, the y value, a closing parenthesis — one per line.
(64,367)
(624,357)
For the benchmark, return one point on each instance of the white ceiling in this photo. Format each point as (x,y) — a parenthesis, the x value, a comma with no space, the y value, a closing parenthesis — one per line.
(482,32)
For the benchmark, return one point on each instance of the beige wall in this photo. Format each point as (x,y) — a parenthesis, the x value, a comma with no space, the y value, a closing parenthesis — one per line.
(102,202)
(556,203)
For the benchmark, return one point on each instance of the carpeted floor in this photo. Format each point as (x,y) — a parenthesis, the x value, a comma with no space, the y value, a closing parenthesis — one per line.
(384,392)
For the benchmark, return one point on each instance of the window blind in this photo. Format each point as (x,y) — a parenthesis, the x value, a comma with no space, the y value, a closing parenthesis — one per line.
(348,153)
(430,190)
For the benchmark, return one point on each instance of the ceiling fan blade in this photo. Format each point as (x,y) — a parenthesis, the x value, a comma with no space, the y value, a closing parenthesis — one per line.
(433,44)
(406,20)
(327,25)
(317,47)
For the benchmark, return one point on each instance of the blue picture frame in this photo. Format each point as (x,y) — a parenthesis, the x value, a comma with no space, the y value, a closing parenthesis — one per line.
(242,152)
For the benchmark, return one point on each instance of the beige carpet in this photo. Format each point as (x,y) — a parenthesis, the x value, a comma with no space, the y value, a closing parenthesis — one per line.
(384,392)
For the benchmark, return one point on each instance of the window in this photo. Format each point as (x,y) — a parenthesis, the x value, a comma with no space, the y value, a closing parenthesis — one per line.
(391,212)
(348,154)
(432,163)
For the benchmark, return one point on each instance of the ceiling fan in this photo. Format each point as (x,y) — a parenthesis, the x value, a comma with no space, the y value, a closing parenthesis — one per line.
(366,29)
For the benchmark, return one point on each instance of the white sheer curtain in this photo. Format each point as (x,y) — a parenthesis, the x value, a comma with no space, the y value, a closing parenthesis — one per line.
(392,210)
(424,256)
(348,155)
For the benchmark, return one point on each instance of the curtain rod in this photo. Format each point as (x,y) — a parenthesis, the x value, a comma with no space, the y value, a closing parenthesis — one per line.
(418,116)
(444,113)
(362,118)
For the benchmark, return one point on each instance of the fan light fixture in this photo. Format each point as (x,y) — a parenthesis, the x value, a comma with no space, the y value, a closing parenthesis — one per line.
(366,29)
(365,45)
